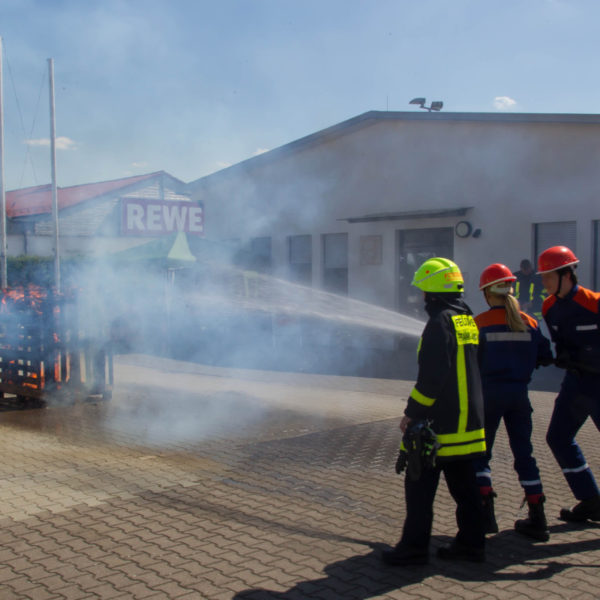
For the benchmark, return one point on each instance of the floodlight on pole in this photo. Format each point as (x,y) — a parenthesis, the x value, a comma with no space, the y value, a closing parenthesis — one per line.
(419,101)
(435,105)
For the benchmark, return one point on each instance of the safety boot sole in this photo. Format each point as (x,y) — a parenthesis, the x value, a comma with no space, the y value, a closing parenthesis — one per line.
(586,510)
(457,551)
(543,535)
(403,559)
(572,517)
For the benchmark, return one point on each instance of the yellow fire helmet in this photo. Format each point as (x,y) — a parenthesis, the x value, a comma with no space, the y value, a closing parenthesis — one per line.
(439,275)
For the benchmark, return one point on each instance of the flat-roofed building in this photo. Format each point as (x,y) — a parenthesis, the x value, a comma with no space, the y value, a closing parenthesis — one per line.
(356,207)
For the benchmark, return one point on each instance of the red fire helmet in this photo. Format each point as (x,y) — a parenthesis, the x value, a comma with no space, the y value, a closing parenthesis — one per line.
(556,258)
(496,273)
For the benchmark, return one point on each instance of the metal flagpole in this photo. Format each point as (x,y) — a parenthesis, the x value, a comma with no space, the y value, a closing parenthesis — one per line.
(53,165)
(3,244)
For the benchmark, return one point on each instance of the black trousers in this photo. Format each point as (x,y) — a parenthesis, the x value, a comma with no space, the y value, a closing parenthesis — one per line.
(420,495)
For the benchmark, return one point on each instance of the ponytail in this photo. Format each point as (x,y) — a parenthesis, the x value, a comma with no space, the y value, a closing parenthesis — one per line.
(511,305)
(513,314)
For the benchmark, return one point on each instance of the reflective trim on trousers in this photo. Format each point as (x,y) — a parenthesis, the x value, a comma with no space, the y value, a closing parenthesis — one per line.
(577,469)
(531,482)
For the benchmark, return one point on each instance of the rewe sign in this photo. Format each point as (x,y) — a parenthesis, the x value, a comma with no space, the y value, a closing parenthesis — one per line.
(142,216)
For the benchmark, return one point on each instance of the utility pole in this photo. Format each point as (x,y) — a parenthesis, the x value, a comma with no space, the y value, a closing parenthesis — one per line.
(53,168)
(3,243)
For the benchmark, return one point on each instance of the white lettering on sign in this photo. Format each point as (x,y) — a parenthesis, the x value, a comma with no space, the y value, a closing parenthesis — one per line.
(135,215)
(141,216)
(174,218)
(153,213)
(196,219)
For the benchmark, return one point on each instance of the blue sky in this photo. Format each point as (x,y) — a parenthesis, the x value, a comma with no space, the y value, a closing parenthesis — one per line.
(191,86)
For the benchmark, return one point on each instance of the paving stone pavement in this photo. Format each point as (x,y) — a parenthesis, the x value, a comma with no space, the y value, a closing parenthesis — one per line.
(198,482)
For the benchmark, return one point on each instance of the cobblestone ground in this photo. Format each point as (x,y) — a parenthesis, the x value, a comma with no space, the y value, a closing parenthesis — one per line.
(203,483)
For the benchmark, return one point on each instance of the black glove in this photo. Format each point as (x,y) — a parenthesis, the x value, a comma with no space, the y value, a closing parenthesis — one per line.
(419,449)
(545,362)
(563,361)
(401,462)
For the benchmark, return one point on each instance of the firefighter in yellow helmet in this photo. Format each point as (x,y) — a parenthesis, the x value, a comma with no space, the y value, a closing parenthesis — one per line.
(447,395)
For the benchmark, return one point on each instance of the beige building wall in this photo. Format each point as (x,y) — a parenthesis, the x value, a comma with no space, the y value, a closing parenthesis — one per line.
(512,170)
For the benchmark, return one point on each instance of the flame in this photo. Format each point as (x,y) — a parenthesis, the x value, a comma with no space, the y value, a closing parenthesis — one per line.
(21,301)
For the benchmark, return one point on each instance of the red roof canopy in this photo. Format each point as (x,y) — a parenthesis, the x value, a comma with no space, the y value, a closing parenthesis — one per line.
(38,199)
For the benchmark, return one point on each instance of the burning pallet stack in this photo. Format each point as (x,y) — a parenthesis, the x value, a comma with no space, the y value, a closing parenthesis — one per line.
(40,349)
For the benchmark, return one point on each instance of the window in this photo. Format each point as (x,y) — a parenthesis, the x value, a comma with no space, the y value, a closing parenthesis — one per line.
(371,249)
(255,255)
(415,246)
(300,258)
(335,262)
(260,252)
(558,233)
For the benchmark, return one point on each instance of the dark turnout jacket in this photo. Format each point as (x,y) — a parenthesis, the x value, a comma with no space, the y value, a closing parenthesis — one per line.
(448,388)
(574,325)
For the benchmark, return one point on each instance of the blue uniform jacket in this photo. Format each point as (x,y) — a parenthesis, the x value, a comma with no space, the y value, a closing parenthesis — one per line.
(574,325)
(508,357)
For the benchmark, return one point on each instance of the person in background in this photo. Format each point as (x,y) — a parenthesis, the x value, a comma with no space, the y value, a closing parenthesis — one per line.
(572,314)
(529,290)
(448,395)
(511,346)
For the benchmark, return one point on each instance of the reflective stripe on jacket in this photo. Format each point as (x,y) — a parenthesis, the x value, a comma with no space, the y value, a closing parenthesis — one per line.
(509,357)
(574,325)
(448,387)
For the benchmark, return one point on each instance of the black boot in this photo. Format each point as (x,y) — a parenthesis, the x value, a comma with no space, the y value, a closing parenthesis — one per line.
(457,551)
(489,517)
(401,556)
(535,526)
(586,509)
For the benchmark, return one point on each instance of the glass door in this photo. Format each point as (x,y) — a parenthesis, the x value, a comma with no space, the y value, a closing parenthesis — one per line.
(415,246)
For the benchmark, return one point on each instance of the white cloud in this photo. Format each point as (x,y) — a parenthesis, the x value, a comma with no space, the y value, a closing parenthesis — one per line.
(504,103)
(223,165)
(139,165)
(40,142)
(62,143)
(65,143)
(260,151)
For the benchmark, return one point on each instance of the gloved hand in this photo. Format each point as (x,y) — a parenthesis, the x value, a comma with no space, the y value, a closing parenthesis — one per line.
(562,360)
(401,462)
(545,362)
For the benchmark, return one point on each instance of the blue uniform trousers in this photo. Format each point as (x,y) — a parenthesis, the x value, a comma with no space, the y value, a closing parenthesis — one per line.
(511,403)
(579,398)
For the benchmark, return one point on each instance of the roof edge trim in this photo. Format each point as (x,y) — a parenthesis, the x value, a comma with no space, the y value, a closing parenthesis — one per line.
(411,214)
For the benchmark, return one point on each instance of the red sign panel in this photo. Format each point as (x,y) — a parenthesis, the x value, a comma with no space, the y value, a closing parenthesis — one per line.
(142,216)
